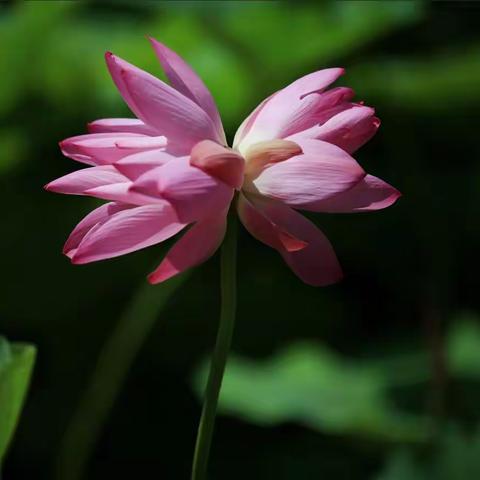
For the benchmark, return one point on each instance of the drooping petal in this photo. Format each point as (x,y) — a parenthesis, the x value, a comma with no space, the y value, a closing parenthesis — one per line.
(348,129)
(116,125)
(197,245)
(133,166)
(220,162)
(194,193)
(186,81)
(106,148)
(265,230)
(76,183)
(323,170)
(288,106)
(316,264)
(127,231)
(95,217)
(162,107)
(371,193)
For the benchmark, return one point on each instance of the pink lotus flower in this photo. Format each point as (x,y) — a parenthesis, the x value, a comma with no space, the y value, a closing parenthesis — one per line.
(170,168)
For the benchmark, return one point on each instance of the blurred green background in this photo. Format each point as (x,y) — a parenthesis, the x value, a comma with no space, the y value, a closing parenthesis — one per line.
(376,378)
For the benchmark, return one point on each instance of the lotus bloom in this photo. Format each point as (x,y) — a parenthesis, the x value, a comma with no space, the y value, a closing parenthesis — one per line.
(170,168)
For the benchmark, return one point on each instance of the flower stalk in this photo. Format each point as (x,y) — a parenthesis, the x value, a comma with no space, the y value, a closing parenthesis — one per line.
(220,354)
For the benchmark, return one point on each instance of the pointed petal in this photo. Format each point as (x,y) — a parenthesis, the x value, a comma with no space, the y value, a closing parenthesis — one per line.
(288,106)
(323,170)
(120,192)
(348,129)
(76,183)
(95,217)
(265,230)
(116,125)
(193,193)
(162,107)
(186,81)
(316,264)
(195,247)
(220,162)
(127,231)
(133,166)
(106,148)
(371,193)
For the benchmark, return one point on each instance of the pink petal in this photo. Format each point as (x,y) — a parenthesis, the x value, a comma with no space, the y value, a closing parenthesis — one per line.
(289,106)
(127,231)
(316,264)
(265,230)
(106,148)
(348,129)
(220,162)
(193,193)
(371,193)
(162,107)
(323,170)
(247,124)
(95,217)
(116,125)
(186,81)
(120,192)
(78,182)
(195,247)
(133,166)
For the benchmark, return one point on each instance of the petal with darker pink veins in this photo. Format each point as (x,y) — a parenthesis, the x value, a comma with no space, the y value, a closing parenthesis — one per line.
(371,193)
(322,171)
(348,129)
(95,217)
(183,78)
(162,107)
(107,148)
(194,193)
(316,264)
(264,229)
(76,183)
(196,246)
(287,107)
(116,125)
(135,165)
(128,231)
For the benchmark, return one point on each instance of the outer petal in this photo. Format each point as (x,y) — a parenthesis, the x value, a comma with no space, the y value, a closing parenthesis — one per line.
(162,107)
(194,193)
(133,166)
(323,170)
(98,216)
(128,231)
(264,229)
(186,81)
(196,246)
(106,148)
(120,192)
(348,129)
(78,182)
(115,125)
(289,106)
(316,264)
(371,193)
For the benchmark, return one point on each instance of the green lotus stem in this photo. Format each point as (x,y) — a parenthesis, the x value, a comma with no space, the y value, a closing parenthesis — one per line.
(114,362)
(222,347)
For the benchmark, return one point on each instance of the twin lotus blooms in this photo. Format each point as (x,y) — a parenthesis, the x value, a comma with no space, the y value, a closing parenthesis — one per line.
(170,168)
